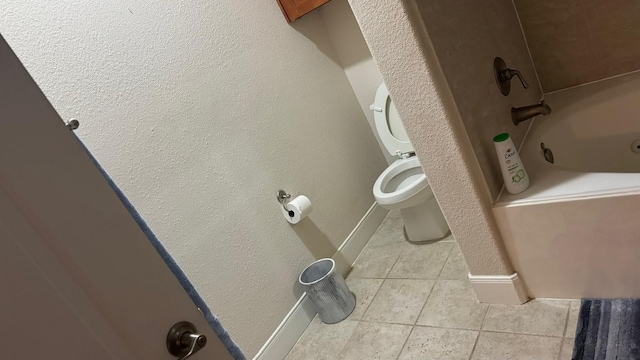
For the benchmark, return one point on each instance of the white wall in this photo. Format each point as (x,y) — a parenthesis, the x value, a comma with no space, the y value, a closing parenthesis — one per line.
(355,58)
(200,111)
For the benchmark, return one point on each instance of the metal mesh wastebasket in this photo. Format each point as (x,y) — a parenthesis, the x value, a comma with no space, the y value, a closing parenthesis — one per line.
(328,291)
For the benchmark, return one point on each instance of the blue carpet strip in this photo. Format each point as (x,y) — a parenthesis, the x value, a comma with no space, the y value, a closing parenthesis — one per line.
(608,329)
(213,321)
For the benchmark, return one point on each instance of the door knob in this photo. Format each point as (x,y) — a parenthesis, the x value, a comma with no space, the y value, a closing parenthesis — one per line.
(183,340)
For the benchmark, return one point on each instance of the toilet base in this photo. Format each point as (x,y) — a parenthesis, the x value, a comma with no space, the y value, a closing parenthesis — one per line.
(424,222)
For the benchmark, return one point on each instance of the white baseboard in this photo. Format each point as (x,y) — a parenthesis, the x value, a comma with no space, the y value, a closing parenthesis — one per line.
(359,237)
(499,289)
(289,331)
(295,323)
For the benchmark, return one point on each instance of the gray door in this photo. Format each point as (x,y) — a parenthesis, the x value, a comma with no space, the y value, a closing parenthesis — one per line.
(78,278)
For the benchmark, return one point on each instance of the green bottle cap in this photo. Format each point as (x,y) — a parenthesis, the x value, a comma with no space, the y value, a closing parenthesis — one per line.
(501,137)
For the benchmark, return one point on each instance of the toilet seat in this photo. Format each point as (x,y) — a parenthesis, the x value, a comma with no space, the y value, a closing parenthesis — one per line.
(403,184)
(388,124)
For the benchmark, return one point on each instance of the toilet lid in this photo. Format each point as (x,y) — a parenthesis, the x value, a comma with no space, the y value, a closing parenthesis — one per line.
(388,124)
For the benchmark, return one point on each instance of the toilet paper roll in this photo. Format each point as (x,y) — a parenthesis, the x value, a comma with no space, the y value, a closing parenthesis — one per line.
(297,209)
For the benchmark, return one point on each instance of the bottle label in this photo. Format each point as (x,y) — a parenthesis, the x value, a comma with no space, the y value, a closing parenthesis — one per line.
(515,176)
(515,172)
(518,176)
(509,153)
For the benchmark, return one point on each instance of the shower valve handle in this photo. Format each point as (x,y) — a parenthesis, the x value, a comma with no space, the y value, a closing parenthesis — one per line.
(508,74)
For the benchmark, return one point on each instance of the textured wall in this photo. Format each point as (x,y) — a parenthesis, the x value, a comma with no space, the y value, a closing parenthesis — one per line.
(355,58)
(467,35)
(200,111)
(573,42)
(403,51)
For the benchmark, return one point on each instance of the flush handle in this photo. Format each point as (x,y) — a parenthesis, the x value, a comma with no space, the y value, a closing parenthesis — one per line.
(184,341)
(504,75)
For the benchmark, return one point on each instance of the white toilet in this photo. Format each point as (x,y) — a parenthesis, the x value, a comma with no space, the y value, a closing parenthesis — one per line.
(403,185)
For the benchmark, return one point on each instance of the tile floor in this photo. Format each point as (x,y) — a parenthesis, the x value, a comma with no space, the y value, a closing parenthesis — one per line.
(415,302)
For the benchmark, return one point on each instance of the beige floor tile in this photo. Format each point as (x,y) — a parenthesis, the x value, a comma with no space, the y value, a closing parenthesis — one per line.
(572,323)
(503,346)
(567,349)
(375,341)
(537,317)
(389,232)
(376,261)
(321,341)
(453,304)
(435,344)
(424,261)
(456,267)
(364,290)
(399,301)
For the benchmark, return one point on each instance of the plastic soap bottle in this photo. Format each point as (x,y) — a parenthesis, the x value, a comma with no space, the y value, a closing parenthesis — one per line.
(516,179)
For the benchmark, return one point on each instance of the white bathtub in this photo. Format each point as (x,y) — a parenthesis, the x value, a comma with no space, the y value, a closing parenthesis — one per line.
(576,231)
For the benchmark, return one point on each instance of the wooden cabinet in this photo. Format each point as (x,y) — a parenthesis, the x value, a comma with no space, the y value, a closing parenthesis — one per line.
(293,9)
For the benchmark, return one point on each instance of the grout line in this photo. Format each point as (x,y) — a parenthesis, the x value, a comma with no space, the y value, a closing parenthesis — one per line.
(592,41)
(593,82)
(520,333)
(372,300)
(405,342)
(425,303)
(394,264)
(360,321)
(445,261)
(347,342)
(526,43)
(561,346)
(566,320)
(385,322)
(479,332)
(447,328)
(405,278)
(486,314)
(384,280)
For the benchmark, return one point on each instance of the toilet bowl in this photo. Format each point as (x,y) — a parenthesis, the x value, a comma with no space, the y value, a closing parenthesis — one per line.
(403,185)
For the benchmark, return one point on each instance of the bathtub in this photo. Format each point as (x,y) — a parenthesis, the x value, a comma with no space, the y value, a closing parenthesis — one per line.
(576,231)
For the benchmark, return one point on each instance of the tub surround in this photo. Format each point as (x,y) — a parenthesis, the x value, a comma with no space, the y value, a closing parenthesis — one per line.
(590,135)
(481,30)
(574,42)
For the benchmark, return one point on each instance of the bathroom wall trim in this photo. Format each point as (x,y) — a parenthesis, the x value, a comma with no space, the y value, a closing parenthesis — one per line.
(295,323)
(499,289)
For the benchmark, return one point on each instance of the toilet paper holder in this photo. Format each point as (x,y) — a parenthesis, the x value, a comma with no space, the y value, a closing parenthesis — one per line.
(282,199)
(294,209)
